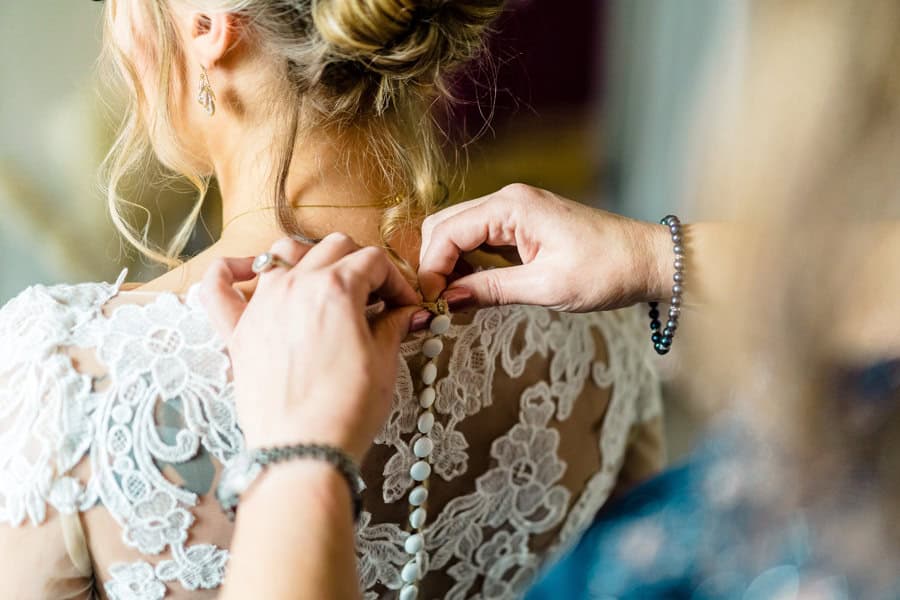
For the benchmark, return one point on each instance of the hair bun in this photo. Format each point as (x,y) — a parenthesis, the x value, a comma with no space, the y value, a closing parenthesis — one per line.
(405,40)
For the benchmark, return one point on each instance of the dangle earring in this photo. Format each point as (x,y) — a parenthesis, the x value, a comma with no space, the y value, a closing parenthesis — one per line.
(206,97)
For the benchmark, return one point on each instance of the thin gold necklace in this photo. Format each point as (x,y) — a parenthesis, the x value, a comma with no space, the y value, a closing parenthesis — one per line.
(395,201)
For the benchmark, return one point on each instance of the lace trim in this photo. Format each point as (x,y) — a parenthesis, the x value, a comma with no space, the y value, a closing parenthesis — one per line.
(45,404)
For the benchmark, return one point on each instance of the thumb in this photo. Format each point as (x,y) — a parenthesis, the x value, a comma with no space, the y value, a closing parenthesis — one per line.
(521,284)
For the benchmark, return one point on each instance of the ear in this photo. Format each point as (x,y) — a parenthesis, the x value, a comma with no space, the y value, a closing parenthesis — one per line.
(212,36)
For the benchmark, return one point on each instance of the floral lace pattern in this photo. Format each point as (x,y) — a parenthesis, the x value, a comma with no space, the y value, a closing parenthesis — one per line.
(165,354)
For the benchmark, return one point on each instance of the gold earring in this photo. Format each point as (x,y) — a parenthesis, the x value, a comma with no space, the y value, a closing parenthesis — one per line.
(206,97)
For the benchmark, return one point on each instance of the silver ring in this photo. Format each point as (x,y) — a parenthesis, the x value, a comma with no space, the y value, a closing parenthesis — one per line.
(268,261)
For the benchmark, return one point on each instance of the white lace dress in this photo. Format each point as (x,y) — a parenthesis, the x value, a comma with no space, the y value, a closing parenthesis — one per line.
(116,414)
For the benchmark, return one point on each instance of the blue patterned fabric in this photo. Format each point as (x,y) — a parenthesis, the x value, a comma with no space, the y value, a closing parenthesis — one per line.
(699,532)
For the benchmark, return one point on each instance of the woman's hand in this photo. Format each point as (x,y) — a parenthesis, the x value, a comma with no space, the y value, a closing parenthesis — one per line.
(575,258)
(308,365)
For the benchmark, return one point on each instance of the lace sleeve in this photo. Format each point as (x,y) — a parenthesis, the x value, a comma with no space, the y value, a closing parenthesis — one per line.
(45,432)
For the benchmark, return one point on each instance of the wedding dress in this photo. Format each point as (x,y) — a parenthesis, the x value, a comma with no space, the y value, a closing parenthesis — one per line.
(116,415)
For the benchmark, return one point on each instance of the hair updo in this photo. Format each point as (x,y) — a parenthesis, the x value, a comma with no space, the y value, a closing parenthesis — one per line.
(402,42)
(375,65)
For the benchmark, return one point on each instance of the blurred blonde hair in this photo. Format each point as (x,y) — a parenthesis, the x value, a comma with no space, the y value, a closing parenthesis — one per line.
(375,66)
(807,161)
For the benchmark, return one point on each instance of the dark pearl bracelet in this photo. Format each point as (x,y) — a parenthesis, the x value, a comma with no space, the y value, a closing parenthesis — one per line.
(662,340)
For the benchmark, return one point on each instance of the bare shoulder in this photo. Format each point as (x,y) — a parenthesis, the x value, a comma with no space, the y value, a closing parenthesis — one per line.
(178,280)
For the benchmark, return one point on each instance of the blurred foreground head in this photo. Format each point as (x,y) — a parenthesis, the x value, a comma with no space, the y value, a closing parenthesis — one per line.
(806,157)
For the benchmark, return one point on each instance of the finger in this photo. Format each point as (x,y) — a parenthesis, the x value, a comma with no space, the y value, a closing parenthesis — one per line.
(388,332)
(391,328)
(290,249)
(437,218)
(511,285)
(331,249)
(483,223)
(507,193)
(420,320)
(225,304)
(370,271)
(285,249)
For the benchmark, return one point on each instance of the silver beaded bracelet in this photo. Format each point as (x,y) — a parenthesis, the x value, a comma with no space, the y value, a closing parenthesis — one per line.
(662,340)
(240,472)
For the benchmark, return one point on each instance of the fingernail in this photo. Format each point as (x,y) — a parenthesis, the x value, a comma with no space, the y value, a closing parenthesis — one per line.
(458,297)
(419,320)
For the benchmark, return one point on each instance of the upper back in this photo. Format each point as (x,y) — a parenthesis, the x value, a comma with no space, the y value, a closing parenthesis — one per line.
(129,401)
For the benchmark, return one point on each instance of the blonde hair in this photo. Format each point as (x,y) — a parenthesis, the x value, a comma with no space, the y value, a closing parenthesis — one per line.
(376,66)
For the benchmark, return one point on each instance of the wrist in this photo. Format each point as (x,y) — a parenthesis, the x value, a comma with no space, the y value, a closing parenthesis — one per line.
(661,267)
(310,427)
(295,514)
(315,484)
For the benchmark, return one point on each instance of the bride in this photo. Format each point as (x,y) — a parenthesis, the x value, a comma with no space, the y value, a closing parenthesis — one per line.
(116,401)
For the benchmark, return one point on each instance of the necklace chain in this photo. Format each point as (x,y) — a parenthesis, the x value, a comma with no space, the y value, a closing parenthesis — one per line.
(395,201)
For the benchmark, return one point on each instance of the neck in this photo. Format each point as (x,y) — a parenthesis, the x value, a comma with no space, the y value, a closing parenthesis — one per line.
(325,170)
(326,174)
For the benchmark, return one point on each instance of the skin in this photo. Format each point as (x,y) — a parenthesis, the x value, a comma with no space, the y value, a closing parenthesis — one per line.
(235,145)
(298,513)
(574,258)
(327,291)
(577,258)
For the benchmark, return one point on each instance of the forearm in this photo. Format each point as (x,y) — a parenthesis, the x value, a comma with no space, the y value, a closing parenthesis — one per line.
(294,537)
(714,253)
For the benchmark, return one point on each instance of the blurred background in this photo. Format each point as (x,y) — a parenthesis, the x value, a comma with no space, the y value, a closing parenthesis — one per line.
(595,102)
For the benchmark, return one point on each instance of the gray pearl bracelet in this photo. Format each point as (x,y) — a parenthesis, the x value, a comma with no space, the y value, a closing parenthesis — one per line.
(662,340)
(343,463)
(240,473)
